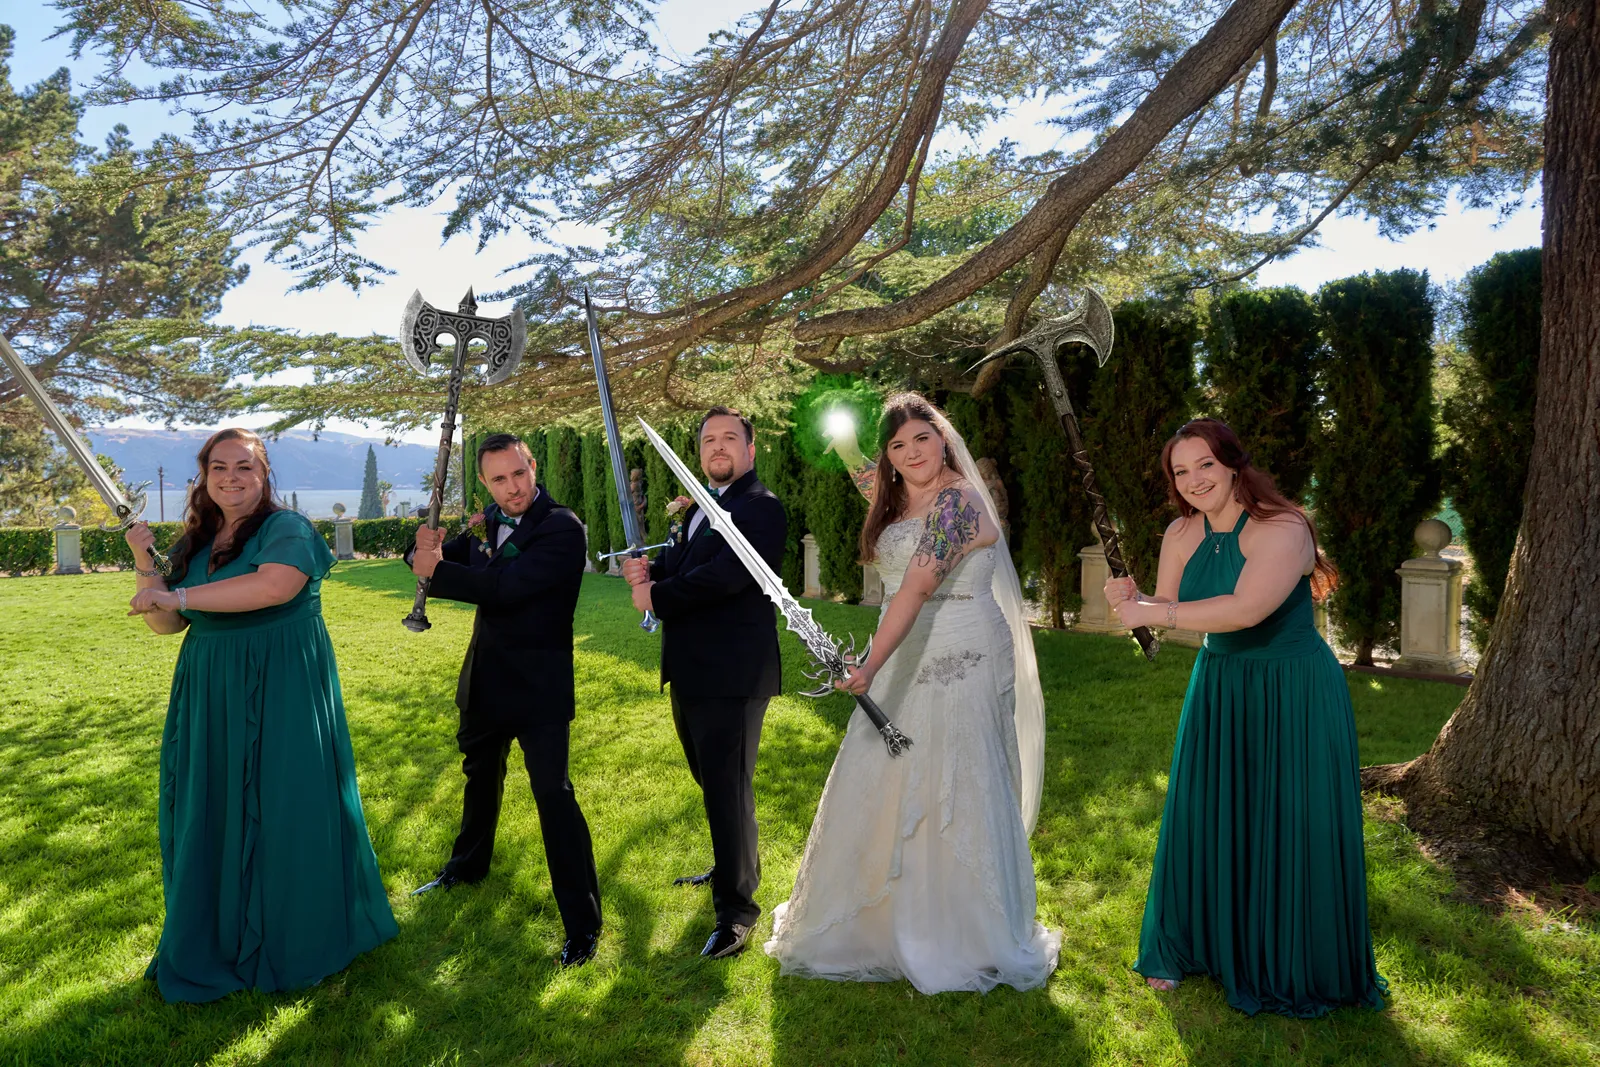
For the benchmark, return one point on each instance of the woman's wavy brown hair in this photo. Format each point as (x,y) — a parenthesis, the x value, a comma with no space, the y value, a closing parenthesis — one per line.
(1253,487)
(889,492)
(205,516)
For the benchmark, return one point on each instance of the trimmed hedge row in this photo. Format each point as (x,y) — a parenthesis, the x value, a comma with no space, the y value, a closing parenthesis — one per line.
(31,549)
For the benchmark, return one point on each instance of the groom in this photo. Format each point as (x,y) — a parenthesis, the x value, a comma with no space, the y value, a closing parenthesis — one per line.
(516,682)
(719,650)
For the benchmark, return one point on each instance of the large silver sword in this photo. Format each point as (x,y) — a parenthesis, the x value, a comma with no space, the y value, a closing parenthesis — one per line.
(619,469)
(832,661)
(126,511)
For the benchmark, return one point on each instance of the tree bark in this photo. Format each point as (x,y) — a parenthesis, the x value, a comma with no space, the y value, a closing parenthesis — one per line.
(1522,752)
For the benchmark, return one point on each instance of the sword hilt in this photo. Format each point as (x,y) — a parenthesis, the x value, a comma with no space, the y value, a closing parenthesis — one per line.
(130,513)
(649,624)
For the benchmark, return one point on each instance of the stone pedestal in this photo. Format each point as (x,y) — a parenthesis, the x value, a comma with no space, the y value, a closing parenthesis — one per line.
(1096,617)
(69,548)
(614,566)
(871,586)
(813,568)
(1430,606)
(344,538)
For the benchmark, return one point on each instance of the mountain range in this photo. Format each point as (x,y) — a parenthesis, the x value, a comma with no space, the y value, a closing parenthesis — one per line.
(299,460)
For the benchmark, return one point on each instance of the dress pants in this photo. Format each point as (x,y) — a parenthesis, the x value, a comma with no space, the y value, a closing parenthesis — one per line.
(720,736)
(485,748)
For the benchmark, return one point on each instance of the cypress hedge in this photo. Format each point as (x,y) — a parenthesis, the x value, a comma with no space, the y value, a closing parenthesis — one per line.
(1137,401)
(596,508)
(1491,419)
(1263,353)
(779,468)
(1376,475)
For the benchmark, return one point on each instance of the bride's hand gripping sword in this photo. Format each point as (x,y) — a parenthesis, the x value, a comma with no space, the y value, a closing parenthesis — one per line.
(832,661)
(1088,323)
(619,469)
(126,510)
(421,326)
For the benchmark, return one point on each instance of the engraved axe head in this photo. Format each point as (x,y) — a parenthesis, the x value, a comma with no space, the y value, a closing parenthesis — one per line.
(1089,322)
(422,324)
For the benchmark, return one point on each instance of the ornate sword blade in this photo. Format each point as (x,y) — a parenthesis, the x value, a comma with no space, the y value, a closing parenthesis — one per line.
(127,511)
(823,648)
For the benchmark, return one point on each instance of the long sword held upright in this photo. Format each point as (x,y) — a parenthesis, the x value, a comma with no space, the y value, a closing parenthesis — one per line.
(832,661)
(619,469)
(127,511)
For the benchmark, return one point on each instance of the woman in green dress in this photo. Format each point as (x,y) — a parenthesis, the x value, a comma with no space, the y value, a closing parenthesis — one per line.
(269,877)
(1260,872)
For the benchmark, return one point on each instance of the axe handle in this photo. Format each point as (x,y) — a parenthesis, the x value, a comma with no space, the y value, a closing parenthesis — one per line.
(1057,388)
(417,621)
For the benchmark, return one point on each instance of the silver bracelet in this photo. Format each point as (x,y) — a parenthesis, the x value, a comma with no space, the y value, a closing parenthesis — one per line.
(183,598)
(144,573)
(1172,614)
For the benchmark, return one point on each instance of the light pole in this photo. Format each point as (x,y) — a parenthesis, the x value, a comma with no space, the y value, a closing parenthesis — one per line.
(161,490)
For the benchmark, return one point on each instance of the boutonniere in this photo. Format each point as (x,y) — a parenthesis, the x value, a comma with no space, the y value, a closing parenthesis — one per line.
(675,509)
(477,526)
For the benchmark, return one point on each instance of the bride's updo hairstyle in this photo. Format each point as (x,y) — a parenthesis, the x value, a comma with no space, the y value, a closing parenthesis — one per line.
(1252,487)
(889,493)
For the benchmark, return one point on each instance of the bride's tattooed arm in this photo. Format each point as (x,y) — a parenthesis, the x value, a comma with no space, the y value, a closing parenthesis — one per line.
(952,530)
(865,474)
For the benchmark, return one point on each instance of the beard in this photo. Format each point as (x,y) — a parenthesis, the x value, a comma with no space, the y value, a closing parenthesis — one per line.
(720,469)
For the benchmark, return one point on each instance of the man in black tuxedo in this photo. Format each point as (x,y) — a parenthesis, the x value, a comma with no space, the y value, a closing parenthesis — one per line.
(719,650)
(516,681)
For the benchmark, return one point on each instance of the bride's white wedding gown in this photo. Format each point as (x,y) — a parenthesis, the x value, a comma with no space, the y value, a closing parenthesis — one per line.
(919,867)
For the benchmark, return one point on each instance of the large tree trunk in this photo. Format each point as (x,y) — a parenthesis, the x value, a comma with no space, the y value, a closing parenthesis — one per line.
(1523,751)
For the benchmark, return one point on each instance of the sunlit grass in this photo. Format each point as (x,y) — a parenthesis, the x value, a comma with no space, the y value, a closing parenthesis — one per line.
(471,977)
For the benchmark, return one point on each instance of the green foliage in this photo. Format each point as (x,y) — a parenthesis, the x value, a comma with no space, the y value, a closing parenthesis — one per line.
(564,475)
(862,399)
(387,537)
(596,509)
(1138,400)
(371,506)
(780,470)
(95,242)
(1262,361)
(1376,473)
(1490,420)
(834,513)
(26,550)
(1054,508)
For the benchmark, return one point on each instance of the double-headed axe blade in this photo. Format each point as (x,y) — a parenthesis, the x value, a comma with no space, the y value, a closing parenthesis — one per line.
(422,324)
(1089,322)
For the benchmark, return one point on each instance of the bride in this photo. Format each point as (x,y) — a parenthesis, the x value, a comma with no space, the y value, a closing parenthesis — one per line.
(918,867)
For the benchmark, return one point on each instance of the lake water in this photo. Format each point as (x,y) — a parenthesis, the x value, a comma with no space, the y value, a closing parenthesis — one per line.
(318,503)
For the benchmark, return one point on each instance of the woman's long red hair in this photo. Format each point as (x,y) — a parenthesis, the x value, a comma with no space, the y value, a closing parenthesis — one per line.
(1253,487)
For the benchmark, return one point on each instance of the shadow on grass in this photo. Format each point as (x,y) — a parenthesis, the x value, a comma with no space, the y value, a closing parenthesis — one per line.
(472,975)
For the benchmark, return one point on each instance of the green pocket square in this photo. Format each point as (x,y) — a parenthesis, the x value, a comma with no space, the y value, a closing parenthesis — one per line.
(510,551)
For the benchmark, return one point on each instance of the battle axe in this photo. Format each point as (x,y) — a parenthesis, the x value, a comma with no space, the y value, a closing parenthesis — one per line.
(1089,323)
(420,329)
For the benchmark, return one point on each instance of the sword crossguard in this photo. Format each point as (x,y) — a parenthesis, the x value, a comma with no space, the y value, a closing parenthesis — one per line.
(635,552)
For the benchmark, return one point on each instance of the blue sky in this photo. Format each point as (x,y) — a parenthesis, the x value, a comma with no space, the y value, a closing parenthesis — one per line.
(408,239)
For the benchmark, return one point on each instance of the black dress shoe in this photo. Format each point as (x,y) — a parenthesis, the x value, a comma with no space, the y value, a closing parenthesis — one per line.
(576,951)
(696,879)
(728,939)
(445,880)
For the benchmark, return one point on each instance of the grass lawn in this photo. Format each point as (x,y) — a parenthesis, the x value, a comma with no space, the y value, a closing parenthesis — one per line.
(471,978)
